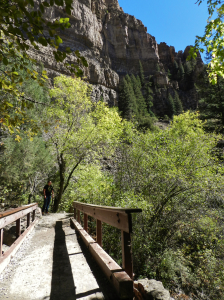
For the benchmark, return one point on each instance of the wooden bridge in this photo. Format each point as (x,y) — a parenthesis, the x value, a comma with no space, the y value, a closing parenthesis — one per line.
(58,262)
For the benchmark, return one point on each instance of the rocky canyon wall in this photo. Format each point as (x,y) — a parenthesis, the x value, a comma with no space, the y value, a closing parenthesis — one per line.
(113,43)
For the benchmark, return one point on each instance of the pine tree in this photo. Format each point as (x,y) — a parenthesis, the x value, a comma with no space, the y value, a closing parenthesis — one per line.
(141,105)
(139,81)
(171,107)
(177,104)
(149,100)
(211,103)
(180,72)
(127,101)
(141,71)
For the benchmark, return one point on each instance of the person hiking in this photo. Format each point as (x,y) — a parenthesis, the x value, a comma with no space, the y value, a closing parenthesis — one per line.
(48,191)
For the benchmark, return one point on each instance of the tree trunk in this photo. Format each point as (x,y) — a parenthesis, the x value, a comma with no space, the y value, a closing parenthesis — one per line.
(61,184)
(29,199)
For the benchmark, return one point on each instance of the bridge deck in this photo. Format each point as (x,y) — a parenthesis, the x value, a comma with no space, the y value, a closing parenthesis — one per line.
(53,264)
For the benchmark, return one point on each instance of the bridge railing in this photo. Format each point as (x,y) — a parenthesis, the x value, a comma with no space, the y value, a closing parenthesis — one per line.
(14,215)
(121,218)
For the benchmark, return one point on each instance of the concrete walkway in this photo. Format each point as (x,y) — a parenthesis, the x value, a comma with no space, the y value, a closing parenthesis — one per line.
(52,264)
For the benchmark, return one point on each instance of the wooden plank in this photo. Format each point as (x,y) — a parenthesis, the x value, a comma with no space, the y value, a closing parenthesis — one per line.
(14,210)
(28,220)
(18,228)
(110,208)
(99,232)
(123,284)
(116,219)
(85,222)
(5,259)
(15,216)
(1,241)
(84,235)
(116,275)
(74,213)
(127,263)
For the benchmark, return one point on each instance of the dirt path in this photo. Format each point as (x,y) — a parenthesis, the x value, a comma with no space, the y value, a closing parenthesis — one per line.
(52,264)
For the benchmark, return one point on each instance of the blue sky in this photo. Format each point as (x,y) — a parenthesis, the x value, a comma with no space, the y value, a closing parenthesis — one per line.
(175,22)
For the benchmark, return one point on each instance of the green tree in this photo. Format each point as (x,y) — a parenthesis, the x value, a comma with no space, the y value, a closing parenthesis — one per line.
(178,104)
(212,39)
(81,131)
(140,101)
(211,103)
(149,100)
(180,72)
(173,176)
(24,168)
(141,73)
(24,26)
(127,100)
(170,107)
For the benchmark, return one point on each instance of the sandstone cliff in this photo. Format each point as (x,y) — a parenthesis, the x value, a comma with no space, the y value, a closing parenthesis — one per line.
(113,43)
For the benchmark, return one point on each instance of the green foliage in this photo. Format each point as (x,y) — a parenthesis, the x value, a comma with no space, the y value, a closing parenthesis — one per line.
(177,104)
(180,72)
(173,176)
(90,185)
(24,26)
(170,107)
(149,100)
(212,40)
(141,72)
(140,101)
(211,103)
(127,100)
(80,130)
(24,168)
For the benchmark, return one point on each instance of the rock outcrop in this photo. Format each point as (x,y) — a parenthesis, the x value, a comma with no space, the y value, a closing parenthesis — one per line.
(113,43)
(150,289)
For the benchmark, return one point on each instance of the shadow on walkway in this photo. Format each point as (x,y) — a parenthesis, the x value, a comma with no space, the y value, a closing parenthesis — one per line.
(104,285)
(62,284)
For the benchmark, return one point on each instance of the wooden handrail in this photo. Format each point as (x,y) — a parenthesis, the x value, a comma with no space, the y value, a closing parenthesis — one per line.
(117,217)
(13,210)
(13,215)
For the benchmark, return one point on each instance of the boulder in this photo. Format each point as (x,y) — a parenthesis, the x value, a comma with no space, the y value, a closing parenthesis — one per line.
(150,289)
